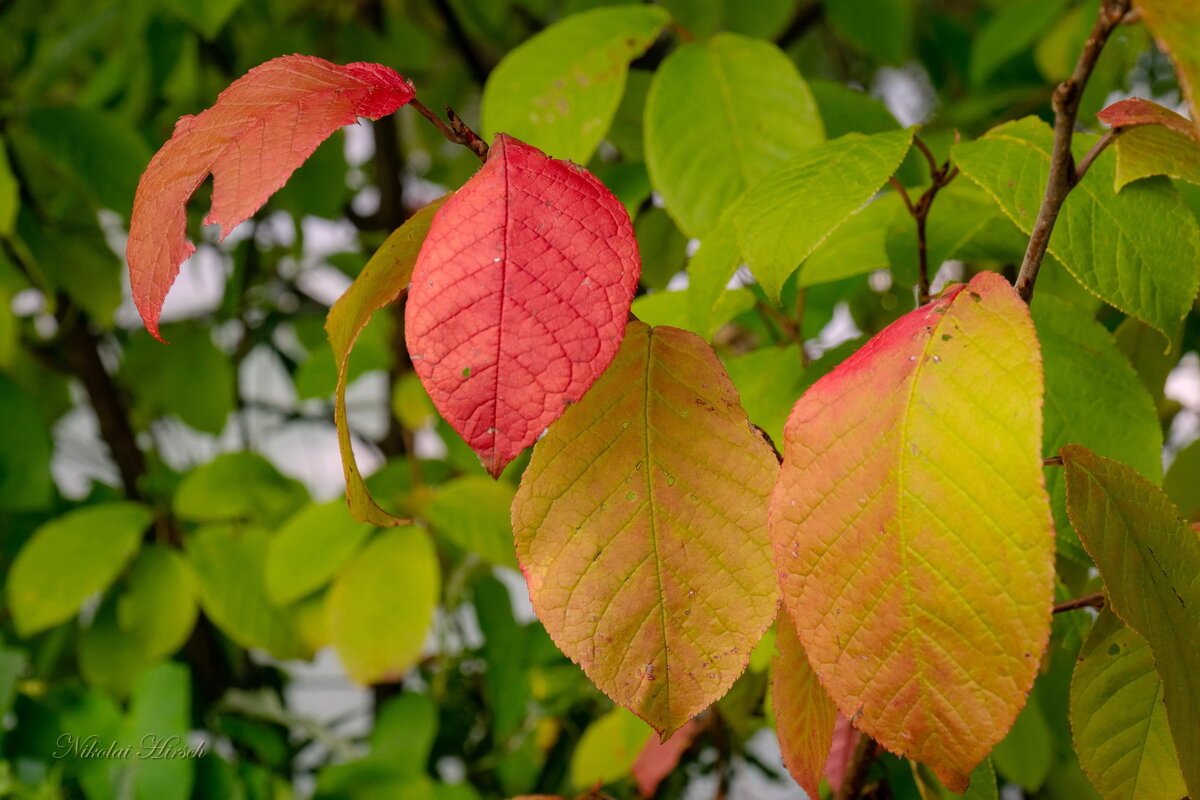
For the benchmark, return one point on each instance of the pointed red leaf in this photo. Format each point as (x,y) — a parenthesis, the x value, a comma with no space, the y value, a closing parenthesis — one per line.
(264,126)
(519,297)
(659,759)
(1136,111)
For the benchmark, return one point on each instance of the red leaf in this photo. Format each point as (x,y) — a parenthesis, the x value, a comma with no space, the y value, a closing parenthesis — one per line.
(519,297)
(1136,111)
(264,126)
(659,759)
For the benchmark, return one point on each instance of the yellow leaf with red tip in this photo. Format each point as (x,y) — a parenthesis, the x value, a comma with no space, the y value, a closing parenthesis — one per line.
(911,528)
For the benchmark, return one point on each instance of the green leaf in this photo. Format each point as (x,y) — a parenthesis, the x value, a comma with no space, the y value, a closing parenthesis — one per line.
(1118,719)
(309,549)
(473,512)
(157,726)
(768,380)
(191,379)
(858,246)
(382,604)
(662,248)
(206,16)
(1182,479)
(1094,398)
(846,110)
(675,309)
(10,195)
(783,218)
(884,34)
(229,563)
(158,606)
(1149,559)
(982,786)
(238,487)
(560,89)
(1142,346)
(608,748)
(721,116)
(380,282)
(1014,28)
(1026,754)
(70,558)
(1148,150)
(25,448)
(101,151)
(1136,250)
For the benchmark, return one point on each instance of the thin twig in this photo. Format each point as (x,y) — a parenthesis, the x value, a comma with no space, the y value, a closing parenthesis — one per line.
(1052,461)
(1063,174)
(900,190)
(801,302)
(1086,162)
(940,175)
(1087,601)
(857,770)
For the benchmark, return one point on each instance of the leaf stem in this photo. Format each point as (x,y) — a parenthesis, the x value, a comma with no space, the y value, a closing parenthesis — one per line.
(1052,461)
(1087,601)
(457,131)
(1063,173)
(1086,162)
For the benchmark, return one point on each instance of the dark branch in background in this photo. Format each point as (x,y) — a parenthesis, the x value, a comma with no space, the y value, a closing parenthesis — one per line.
(857,770)
(940,176)
(81,351)
(458,36)
(1087,601)
(805,18)
(1063,173)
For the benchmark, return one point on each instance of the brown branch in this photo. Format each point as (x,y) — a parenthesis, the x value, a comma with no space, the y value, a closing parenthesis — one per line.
(857,770)
(1063,174)
(1052,461)
(1087,601)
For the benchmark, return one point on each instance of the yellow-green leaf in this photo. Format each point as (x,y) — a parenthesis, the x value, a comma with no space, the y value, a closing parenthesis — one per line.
(720,116)
(1150,561)
(559,90)
(1154,150)
(1118,719)
(70,558)
(311,546)
(380,283)
(641,528)
(229,563)
(473,512)
(911,528)
(381,605)
(608,749)
(782,218)
(804,714)
(158,606)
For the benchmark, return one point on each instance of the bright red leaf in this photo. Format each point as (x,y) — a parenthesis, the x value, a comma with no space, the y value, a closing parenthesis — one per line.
(519,297)
(1136,111)
(264,126)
